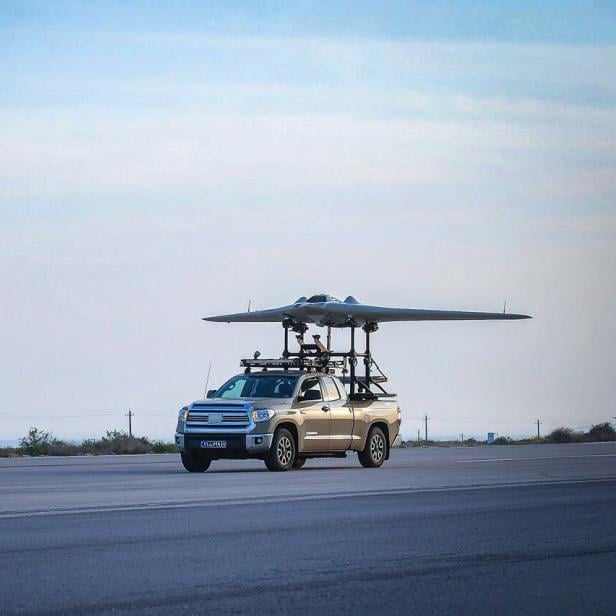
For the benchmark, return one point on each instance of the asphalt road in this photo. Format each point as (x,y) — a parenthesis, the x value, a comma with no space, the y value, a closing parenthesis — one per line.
(490,530)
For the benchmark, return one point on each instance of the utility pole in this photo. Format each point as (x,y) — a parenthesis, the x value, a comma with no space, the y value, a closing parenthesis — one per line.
(418,435)
(426,428)
(462,437)
(538,430)
(130,416)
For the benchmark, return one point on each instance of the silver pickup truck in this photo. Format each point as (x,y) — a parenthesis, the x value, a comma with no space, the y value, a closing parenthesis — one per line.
(284,417)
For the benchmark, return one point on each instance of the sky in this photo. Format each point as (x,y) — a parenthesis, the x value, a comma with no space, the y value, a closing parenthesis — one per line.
(161,162)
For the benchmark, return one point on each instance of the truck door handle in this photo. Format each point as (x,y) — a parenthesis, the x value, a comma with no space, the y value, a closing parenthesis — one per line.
(325,408)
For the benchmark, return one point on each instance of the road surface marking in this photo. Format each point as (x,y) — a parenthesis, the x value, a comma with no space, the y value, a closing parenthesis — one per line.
(292,498)
(590,455)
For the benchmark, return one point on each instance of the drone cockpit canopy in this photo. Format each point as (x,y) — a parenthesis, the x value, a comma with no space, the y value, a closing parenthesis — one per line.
(321,299)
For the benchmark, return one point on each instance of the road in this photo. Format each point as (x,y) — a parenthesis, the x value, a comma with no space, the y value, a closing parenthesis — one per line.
(482,530)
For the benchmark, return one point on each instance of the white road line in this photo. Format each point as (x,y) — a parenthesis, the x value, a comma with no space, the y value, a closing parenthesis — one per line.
(590,455)
(302,497)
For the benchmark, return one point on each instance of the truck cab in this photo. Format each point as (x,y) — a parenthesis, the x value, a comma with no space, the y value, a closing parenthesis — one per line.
(285,417)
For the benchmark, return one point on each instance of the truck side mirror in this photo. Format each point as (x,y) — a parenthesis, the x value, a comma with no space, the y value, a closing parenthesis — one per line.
(211,393)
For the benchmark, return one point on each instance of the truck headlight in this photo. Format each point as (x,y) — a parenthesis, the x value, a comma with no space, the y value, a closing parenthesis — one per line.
(183,414)
(262,414)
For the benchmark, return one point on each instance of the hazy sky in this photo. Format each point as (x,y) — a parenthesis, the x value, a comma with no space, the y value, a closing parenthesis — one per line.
(160,162)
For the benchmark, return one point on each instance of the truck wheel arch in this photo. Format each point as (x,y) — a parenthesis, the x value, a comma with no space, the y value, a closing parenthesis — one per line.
(385,429)
(292,428)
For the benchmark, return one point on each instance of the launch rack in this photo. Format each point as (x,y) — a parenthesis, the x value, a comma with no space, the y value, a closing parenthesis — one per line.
(318,357)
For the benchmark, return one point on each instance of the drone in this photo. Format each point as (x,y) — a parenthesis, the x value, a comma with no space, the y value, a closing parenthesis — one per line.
(325,310)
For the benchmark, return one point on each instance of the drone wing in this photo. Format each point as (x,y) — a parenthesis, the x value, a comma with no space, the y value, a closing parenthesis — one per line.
(381,314)
(272,315)
(339,314)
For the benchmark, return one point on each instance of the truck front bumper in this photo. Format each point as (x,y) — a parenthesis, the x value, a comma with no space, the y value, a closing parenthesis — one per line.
(237,445)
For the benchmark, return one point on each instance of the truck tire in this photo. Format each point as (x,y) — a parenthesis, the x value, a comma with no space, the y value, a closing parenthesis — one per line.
(374,453)
(281,455)
(299,462)
(194,463)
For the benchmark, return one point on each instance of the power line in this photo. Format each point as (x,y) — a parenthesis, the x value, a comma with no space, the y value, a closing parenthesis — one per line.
(488,420)
(19,415)
(115,414)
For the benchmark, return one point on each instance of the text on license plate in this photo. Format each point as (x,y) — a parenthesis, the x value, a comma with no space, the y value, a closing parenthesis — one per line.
(213,444)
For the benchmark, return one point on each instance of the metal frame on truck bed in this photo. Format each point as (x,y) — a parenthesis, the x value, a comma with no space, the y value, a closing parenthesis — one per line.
(316,356)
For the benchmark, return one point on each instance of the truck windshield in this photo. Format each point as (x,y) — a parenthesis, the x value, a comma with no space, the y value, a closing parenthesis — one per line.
(258,386)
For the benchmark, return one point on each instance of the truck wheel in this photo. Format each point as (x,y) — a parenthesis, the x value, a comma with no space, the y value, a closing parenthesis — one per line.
(299,462)
(194,463)
(375,450)
(281,455)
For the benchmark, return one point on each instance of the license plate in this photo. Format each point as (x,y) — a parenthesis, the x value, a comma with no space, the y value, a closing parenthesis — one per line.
(213,444)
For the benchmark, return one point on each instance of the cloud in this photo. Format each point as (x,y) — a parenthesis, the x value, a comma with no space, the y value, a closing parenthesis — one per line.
(159,114)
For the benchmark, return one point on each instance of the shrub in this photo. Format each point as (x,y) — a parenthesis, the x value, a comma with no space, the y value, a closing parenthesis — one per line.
(89,445)
(62,448)
(119,442)
(41,443)
(9,452)
(162,447)
(563,435)
(37,442)
(502,440)
(130,444)
(602,432)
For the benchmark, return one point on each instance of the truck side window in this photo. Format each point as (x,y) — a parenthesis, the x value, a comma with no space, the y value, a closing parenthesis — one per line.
(331,391)
(310,389)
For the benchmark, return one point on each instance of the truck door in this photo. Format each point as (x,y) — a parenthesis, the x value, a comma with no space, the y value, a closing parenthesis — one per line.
(315,416)
(340,413)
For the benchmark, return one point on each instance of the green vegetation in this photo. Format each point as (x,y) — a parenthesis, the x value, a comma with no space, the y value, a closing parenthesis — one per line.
(41,443)
(602,432)
(598,433)
(162,447)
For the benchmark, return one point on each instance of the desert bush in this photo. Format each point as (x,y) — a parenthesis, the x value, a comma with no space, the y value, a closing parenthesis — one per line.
(41,443)
(9,452)
(89,445)
(563,435)
(36,443)
(62,448)
(162,447)
(602,432)
(130,444)
(502,440)
(119,442)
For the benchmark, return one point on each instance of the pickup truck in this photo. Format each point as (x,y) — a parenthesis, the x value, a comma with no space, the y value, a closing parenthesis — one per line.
(284,417)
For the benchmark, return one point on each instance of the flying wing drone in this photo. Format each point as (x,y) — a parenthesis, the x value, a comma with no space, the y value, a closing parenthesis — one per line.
(327,311)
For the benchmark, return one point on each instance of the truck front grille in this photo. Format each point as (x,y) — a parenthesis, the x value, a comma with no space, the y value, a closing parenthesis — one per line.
(223,415)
